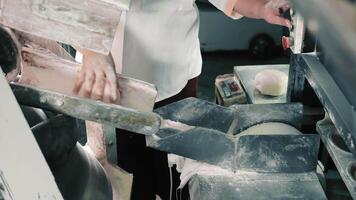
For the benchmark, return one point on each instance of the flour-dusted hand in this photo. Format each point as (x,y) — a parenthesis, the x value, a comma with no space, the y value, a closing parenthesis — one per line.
(97,78)
(269,10)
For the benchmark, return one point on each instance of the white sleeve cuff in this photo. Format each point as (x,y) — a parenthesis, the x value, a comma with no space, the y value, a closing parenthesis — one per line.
(228,7)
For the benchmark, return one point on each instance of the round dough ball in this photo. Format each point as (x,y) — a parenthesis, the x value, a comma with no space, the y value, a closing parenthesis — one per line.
(271,82)
(271,128)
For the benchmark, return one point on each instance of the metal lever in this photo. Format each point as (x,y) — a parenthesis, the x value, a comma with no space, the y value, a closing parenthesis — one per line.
(146,123)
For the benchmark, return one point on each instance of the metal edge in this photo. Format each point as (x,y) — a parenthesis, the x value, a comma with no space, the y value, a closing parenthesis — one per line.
(341,158)
(330,95)
(125,118)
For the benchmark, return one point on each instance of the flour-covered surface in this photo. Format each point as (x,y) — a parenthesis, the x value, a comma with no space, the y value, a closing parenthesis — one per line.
(122,4)
(43,69)
(195,112)
(200,144)
(269,147)
(250,115)
(339,153)
(258,153)
(334,101)
(247,75)
(216,184)
(277,153)
(277,163)
(87,24)
(86,109)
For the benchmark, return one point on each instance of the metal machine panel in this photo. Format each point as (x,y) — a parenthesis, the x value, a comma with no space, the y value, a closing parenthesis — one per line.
(86,24)
(277,166)
(339,152)
(195,112)
(247,185)
(334,25)
(86,109)
(226,148)
(17,175)
(341,112)
(277,154)
(253,114)
(331,73)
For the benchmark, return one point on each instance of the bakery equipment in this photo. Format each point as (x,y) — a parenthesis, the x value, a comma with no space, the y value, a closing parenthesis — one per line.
(78,174)
(322,43)
(25,171)
(247,74)
(330,71)
(258,166)
(250,159)
(114,115)
(85,24)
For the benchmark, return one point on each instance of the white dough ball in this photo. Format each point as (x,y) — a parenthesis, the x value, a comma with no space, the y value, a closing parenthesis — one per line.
(271,82)
(271,128)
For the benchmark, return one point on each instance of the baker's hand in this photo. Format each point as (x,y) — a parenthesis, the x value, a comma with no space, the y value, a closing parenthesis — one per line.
(97,78)
(269,10)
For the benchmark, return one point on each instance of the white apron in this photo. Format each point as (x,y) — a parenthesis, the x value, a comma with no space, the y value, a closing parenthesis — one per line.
(161,44)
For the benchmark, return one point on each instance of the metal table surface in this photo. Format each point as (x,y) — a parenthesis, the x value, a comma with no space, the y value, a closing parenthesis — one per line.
(247,74)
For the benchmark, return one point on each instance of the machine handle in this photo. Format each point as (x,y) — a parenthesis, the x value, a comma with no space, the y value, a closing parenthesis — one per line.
(146,123)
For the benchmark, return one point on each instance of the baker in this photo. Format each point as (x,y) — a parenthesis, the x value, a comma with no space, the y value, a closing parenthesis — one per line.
(161,46)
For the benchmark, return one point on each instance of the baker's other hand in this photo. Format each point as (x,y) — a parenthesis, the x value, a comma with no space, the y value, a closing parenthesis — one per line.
(269,10)
(97,78)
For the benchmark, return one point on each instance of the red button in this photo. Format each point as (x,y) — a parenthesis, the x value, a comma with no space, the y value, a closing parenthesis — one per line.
(286,42)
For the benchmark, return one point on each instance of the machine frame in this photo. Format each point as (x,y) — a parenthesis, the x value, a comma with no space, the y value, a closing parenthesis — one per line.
(331,71)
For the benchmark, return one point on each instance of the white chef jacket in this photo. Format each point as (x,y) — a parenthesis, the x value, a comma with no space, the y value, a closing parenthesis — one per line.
(161,44)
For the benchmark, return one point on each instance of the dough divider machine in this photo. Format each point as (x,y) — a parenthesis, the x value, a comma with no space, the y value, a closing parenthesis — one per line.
(330,70)
(270,166)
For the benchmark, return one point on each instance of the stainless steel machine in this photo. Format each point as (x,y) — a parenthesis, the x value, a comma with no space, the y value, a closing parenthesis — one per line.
(40,154)
(330,70)
(323,46)
(270,166)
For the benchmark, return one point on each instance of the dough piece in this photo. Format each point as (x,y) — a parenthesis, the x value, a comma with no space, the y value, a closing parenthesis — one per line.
(272,128)
(271,82)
